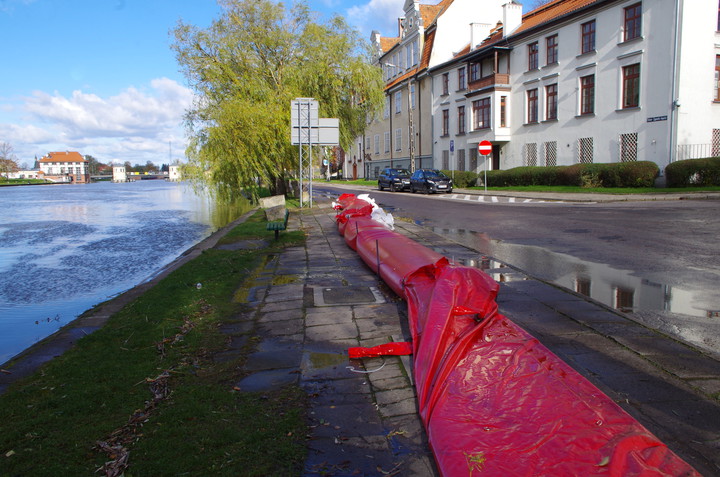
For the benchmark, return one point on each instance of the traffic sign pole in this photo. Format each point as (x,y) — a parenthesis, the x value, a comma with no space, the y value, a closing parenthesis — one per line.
(485,148)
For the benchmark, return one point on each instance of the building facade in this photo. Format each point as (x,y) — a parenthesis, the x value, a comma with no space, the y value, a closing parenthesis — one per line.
(69,166)
(405,135)
(572,81)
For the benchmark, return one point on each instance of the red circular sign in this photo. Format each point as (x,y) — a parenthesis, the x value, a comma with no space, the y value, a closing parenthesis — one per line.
(485,148)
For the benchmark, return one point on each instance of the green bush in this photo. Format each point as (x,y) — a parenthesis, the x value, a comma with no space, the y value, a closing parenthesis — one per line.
(624,174)
(462,179)
(693,172)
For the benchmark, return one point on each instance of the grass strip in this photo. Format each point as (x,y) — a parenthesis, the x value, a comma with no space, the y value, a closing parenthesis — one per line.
(143,395)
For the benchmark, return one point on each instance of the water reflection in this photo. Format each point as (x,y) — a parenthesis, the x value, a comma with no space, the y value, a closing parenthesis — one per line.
(66,248)
(619,289)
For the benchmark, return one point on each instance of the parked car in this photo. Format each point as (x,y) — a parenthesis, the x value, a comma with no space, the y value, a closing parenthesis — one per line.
(394,179)
(430,180)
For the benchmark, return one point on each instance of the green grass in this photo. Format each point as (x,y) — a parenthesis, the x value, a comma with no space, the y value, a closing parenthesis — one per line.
(9,182)
(53,420)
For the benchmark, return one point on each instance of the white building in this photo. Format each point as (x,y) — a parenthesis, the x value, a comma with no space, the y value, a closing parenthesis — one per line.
(66,166)
(575,81)
(591,81)
(174,173)
(119,174)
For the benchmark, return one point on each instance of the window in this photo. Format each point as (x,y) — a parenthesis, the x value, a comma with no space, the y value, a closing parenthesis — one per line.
(398,139)
(531,154)
(446,159)
(588,37)
(445,83)
(533,56)
(474,72)
(585,150)
(398,102)
(387,141)
(461,119)
(412,95)
(532,106)
(445,122)
(415,52)
(716,96)
(551,102)
(551,45)
(587,94)
(628,147)
(377,144)
(387,107)
(462,84)
(481,114)
(408,53)
(503,111)
(631,86)
(633,22)
(550,151)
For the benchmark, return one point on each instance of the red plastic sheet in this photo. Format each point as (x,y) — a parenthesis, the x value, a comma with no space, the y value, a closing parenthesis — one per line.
(494,401)
(400,348)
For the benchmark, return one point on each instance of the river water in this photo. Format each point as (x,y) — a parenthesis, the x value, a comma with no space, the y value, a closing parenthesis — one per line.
(66,248)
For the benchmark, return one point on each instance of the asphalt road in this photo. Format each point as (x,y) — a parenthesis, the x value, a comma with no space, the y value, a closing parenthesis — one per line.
(657,261)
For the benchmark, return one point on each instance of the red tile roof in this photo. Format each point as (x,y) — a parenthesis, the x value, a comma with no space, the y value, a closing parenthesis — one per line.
(387,44)
(67,156)
(551,11)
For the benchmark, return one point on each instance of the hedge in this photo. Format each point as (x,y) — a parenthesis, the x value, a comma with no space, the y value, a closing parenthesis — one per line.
(623,174)
(462,179)
(693,172)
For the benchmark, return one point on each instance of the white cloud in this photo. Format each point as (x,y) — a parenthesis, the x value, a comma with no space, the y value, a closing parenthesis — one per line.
(380,15)
(136,125)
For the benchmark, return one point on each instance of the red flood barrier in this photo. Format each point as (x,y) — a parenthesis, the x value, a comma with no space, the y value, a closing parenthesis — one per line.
(495,401)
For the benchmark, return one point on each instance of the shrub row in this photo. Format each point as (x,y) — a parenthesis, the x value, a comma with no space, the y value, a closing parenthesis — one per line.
(693,172)
(624,174)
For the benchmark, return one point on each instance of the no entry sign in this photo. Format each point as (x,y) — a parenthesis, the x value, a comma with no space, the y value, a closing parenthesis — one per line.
(485,148)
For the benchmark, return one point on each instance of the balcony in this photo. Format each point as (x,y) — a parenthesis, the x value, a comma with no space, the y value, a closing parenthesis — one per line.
(496,79)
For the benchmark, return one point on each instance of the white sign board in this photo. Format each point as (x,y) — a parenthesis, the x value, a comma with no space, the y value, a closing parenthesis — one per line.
(304,113)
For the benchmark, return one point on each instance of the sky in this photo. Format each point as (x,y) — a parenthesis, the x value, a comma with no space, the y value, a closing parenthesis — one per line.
(98,76)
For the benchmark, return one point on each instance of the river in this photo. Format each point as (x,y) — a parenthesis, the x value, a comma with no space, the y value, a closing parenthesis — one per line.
(66,248)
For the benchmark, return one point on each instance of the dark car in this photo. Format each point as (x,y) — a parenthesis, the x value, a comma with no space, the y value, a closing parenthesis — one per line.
(394,179)
(430,180)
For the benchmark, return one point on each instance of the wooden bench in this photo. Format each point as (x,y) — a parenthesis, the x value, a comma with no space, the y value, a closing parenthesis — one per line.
(278,225)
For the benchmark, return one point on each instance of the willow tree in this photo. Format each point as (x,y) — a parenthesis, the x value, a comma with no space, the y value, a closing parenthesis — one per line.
(245,70)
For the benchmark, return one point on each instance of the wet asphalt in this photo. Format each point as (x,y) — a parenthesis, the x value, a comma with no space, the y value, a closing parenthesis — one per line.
(312,302)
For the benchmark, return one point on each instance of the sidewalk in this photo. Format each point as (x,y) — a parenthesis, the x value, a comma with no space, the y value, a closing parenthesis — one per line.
(313,303)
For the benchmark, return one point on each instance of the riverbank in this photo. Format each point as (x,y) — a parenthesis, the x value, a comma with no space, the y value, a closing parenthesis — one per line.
(152,357)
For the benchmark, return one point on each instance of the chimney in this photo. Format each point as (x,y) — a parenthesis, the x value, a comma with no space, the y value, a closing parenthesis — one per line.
(512,17)
(478,32)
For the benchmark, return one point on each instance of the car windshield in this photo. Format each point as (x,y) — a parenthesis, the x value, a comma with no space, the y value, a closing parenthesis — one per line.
(403,172)
(435,175)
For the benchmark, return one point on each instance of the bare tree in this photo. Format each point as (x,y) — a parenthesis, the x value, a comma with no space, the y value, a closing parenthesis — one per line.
(7,159)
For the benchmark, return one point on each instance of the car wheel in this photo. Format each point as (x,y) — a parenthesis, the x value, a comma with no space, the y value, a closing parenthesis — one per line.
(380,187)
(449,191)
(392,187)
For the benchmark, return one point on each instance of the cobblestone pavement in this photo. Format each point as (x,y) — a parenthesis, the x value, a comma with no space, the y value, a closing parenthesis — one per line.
(313,302)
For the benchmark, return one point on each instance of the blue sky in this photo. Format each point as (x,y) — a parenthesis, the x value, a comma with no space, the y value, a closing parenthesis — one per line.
(98,76)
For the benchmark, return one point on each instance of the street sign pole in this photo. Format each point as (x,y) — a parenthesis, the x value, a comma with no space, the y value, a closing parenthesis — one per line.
(485,148)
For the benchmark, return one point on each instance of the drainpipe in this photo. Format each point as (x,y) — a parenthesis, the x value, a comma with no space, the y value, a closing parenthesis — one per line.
(675,104)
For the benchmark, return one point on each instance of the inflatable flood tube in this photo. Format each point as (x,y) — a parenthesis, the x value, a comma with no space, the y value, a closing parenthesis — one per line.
(494,401)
